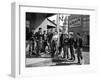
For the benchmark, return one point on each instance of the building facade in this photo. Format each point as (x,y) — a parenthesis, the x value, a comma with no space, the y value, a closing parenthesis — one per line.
(80,24)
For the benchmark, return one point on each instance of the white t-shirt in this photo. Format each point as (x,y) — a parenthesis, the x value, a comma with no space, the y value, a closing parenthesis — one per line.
(55,37)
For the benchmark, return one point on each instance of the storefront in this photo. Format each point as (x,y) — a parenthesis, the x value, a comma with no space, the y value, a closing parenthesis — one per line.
(80,24)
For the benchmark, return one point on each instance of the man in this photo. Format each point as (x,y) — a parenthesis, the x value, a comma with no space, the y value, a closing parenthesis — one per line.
(39,34)
(30,43)
(71,45)
(65,45)
(61,43)
(40,47)
(44,41)
(78,46)
(49,38)
(33,42)
(38,37)
(54,44)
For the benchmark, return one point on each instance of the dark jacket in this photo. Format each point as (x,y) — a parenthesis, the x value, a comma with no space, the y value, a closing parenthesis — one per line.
(71,41)
(49,36)
(64,40)
(38,35)
(78,43)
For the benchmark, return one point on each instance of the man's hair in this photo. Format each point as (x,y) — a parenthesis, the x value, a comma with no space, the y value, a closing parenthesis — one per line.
(78,34)
(71,34)
(44,31)
(56,31)
(40,28)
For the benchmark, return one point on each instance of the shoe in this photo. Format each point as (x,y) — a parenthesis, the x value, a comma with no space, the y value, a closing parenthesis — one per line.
(79,63)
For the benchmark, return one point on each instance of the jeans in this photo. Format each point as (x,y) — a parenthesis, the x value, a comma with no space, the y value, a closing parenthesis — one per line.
(65,49)
(72,52)
(79,54)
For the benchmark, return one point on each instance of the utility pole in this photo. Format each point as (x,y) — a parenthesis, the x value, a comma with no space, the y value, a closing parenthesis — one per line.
(58,25)
(65,25)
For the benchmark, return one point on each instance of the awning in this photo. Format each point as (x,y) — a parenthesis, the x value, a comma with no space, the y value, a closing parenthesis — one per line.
(49,26)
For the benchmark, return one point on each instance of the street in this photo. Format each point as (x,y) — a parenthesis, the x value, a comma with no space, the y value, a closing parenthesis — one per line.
(47,61)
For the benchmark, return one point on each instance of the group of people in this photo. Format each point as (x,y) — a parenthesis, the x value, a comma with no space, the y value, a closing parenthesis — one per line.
(54,44)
